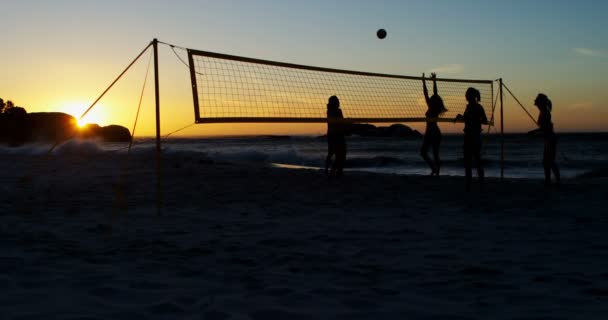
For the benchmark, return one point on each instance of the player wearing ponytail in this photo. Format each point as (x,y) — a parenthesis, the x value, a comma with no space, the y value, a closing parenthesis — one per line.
(432,134)
(545,126)
(474,116)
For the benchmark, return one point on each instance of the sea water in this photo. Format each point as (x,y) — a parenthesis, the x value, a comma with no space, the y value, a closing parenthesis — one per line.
(518,155)
(521,156)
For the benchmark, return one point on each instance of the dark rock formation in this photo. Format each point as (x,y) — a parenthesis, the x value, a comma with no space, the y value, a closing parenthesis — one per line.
(111,133)
(395,130)
(89,131)
(50,126)
(115,133)
(13,126)
(20,128)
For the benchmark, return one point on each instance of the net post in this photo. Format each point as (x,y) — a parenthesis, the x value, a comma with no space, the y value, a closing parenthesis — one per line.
(502,129)
(158,148)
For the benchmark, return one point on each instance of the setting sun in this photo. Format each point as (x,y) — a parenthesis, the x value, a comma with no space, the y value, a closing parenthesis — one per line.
(80,124)
(76,109)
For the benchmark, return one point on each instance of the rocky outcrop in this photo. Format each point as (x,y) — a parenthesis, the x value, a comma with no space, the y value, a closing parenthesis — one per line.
(50,126)
(395,130)
(115,133)
(54,126)
(111,133)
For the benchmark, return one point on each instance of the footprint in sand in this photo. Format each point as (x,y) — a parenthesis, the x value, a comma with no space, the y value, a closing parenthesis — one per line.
(147,285)
(104,292)
(480,271)
(216,315)
(165,309)
(598,292)
(359,304)
(278,292)
(278,315)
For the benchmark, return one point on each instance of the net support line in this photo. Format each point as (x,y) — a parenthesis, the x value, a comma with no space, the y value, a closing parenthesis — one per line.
(103,94)
(520,104)
(124,172)
(114,82)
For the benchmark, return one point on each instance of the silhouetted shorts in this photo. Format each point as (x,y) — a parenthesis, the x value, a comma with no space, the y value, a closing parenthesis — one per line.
(550,151)
(472,145)
(336,144)
(432,138)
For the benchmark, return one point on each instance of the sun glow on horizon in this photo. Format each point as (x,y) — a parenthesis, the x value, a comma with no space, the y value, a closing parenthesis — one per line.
(80,124)
(76,109)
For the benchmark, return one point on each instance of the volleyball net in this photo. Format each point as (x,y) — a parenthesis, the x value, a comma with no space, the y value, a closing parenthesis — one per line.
(229,88)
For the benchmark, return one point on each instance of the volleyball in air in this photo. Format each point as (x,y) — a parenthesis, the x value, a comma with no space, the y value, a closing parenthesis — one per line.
(381,33)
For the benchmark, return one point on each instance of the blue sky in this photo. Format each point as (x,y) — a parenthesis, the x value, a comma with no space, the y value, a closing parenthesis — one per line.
(557,47)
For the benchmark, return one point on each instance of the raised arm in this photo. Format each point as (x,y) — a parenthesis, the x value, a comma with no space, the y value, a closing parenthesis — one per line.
(434,77)
(425,90)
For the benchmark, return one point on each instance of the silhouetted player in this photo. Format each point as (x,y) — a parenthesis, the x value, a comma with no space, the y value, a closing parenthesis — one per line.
(545,126)
(432,135)
(474,116)
(336,142)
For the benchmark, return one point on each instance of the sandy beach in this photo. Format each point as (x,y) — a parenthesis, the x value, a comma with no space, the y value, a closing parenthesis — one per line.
(252,242)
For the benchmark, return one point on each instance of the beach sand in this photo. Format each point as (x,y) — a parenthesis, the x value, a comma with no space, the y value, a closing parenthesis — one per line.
(236,241)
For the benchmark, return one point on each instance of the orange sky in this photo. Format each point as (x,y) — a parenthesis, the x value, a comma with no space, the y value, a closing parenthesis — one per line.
(68,52)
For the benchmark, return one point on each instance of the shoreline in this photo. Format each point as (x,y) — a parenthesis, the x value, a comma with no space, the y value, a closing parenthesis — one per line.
(378,155)
(321,135)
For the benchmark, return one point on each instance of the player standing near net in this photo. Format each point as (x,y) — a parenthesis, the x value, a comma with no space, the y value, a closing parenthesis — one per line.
(545,126)
(336,142)
(474,116)
(432,135)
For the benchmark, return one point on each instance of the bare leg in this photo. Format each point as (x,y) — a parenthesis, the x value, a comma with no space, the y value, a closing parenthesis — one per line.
(437,165)
(468,159)
(549,161)
(548,154)
(556,173)
(338,167)
(331,150)
(424,153)
(547,169)
(328,162)
(480,171)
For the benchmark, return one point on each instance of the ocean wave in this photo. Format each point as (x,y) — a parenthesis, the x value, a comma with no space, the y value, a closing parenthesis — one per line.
(288,156)
(385,155)
(70,147)
(377,161)
(30,149)
(78,147)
